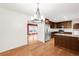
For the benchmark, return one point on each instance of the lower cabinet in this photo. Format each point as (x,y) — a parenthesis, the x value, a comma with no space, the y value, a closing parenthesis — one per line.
(75,44)
(67,42)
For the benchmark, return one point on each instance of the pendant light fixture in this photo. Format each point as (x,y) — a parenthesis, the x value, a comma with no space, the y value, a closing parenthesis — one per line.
(37,18)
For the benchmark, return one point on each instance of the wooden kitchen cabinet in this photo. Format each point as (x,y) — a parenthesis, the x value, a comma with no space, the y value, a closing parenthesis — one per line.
(59,41)
(58,25)
(75,44)
(66,24)
(67,42)
(52,24)
(76,26)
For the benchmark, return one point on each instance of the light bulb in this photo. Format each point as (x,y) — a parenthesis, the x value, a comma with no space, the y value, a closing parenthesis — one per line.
(42,18)
(35,16)
(32,18)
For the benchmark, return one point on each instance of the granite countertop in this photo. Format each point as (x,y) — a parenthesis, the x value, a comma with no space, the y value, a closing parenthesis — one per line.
(70,35)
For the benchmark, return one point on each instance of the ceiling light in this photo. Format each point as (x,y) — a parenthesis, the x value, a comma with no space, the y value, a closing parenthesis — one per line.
(37,18)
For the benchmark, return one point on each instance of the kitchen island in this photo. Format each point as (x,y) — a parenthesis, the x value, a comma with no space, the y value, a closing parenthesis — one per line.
(68,41)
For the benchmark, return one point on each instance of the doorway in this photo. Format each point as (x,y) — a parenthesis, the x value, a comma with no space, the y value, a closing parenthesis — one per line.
(31,33)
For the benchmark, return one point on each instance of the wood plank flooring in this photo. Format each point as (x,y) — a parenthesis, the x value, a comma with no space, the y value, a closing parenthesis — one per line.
(40,49)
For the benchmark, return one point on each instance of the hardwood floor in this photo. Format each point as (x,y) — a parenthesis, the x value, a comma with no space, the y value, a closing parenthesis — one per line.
(40,49)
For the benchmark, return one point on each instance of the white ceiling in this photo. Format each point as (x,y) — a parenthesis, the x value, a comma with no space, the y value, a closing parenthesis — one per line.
(53,11)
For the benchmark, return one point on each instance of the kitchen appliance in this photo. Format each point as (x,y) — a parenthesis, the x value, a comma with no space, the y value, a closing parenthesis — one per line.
(61,30)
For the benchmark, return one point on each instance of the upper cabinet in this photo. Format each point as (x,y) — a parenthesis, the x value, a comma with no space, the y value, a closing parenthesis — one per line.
(65,24)
(76,26)
(52,24)
(58,25)
(75,23)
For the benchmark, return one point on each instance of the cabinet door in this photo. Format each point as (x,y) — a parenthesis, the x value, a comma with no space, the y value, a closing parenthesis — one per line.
(75,44)
(76,26)
(52,25)
(58,25)
(62,41)
(57,41)
(68,42)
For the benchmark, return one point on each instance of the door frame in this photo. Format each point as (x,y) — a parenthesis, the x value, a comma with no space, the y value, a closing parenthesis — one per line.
(28,24)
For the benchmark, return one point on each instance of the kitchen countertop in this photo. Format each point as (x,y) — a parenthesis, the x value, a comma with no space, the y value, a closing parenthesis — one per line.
(70,35)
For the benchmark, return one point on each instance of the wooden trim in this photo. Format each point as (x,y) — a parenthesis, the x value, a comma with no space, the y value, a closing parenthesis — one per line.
(33,34)
(2,53)
(32,24)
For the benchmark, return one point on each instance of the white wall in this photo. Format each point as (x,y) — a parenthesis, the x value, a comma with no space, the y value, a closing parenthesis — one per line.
(75,21)
(12,29)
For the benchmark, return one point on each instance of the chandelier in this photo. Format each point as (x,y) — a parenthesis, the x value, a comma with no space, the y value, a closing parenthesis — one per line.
(37,18)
